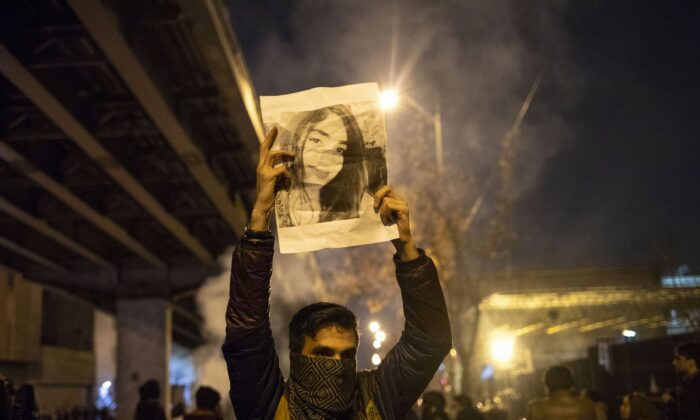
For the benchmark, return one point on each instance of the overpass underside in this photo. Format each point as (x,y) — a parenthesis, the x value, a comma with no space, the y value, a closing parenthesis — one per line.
(127,135)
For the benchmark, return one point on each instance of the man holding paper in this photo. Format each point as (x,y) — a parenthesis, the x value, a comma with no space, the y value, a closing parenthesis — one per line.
(323,382)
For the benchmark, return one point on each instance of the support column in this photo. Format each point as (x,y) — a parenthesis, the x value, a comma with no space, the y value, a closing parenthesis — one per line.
(143,351)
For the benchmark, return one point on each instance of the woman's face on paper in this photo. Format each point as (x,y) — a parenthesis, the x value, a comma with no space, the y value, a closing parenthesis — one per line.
(326,143)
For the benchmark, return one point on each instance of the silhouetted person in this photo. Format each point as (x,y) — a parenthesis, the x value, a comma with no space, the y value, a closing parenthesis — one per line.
(638,407)
(466,410)
(686,362)
(149,407)
(434,406)
(5,399)
(561,402)
(601,408)
(208,407)
(24,405)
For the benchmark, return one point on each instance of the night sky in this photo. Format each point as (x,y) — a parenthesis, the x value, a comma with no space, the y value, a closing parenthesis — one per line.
(608,163)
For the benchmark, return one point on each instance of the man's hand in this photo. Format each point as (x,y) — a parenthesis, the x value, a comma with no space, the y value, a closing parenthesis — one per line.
(393,209)
(267,174)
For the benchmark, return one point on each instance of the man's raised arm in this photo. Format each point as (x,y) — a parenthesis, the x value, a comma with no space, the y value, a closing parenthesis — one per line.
(410,365)
(253,367)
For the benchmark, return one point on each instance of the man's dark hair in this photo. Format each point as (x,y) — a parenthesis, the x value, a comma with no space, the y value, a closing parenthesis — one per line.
(690,351)
(149,390)
(311,318)
(558,378)
(207,398)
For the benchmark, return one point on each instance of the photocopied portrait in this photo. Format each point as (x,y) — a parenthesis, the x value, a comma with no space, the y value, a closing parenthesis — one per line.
(338,136)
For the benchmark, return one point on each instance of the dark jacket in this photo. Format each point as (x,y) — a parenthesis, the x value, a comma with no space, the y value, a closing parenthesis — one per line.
(203,415)
(149,409)
(257,386)
(689,398)
(563,404)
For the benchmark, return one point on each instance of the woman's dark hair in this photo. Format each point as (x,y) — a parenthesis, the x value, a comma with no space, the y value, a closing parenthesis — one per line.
(558,378)
(336,201)
(311,318)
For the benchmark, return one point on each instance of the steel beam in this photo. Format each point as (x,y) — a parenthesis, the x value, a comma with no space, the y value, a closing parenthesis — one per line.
(601,324)
(104,28)
(30,255)
(44,228)
(62,193)
(54,110)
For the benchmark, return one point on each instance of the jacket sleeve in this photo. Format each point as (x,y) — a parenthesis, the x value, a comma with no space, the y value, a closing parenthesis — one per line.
(410,365)
(253,368)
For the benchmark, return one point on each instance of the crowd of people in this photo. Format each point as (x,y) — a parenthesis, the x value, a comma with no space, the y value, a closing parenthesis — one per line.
(21,404)
(564,402)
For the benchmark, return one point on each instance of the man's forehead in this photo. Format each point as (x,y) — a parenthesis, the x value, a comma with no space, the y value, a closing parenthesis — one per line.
(334,335)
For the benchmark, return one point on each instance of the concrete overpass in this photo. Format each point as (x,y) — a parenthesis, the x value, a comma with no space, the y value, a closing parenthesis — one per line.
(127,138)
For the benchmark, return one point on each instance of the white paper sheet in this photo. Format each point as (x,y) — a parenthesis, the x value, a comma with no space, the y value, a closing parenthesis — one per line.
(339,137)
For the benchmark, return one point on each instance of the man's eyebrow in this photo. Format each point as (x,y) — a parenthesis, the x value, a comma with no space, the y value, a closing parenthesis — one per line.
(350,351)
(321,348)
(323,133)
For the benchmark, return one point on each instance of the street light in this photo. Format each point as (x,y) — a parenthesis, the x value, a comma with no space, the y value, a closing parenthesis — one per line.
(502,348)
(388,100)
(374,326)
(376,359)
(380,336)
(376,344)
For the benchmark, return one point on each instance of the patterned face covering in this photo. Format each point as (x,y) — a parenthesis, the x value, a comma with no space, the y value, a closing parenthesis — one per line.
(319,387)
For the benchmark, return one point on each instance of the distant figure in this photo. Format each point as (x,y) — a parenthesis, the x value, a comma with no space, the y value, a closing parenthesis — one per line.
(466,409)
(24,406)
(434,406)
(149,407)
(5,398)
(686,362)
(561,402)
(601,408)
(638,407)
(208,407)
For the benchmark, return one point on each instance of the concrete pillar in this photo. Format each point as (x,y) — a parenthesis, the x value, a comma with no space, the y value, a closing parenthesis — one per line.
(143,351)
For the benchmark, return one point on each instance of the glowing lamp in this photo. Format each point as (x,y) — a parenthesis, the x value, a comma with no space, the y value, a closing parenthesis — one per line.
(629,333)
(388,99)
(502,348)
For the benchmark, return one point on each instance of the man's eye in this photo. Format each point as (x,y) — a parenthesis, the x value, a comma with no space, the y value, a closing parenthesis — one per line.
(340,150)
(314,140)
(323,352)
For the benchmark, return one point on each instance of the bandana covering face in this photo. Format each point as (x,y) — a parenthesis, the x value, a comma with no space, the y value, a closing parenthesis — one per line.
(319,387)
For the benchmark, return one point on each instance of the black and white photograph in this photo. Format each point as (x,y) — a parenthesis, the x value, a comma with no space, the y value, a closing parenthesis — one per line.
(338,137)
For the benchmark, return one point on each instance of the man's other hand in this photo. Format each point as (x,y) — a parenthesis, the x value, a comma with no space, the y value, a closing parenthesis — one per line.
(393,209)
(268,170)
